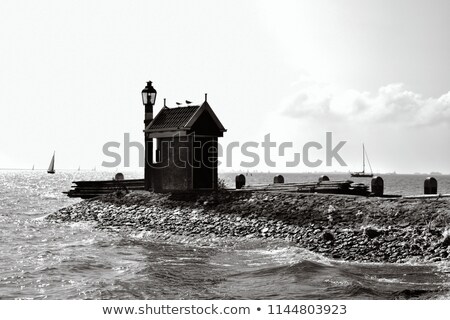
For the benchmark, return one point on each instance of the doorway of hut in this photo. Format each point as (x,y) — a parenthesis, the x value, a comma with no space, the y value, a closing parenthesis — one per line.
(205,163)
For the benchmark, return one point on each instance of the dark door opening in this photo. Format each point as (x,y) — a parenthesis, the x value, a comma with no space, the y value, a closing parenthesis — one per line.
(205,161)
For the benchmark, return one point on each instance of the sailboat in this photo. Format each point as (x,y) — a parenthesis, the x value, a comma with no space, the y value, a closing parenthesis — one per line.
(51,168)
(33,167)
(363,173)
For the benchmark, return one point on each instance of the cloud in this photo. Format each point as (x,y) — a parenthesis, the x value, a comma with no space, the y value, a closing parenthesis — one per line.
(390,104)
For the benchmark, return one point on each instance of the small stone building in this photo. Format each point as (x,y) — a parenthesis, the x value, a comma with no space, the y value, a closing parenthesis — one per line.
(185,158)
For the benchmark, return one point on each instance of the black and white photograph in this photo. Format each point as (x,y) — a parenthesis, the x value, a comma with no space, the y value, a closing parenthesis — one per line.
(291,150)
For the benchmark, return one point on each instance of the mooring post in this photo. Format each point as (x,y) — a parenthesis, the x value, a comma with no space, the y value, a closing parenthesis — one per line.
(324,178)
(377,186)
(240,181)
(278,179)
(119,176)
(430,186)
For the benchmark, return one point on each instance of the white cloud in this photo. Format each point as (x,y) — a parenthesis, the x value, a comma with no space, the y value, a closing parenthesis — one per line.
(392,103)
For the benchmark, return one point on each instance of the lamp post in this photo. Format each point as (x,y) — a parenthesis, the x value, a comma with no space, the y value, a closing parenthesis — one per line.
(148,99)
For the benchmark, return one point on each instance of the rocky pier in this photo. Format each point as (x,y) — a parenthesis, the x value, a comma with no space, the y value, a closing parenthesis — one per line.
(342,227)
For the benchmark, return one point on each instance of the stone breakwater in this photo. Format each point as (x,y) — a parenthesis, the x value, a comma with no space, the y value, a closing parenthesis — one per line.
(342,227)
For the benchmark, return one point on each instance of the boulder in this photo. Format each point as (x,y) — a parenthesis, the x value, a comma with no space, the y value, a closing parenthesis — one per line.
(372,232)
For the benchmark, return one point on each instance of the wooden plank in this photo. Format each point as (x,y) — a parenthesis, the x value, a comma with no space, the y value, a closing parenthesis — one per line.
(93,188)
(428,196)
(109,182)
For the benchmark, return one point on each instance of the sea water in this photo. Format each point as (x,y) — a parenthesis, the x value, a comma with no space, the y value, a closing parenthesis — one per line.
(44,260)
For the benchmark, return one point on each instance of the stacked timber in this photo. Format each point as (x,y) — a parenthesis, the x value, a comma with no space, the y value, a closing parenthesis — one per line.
(335,187)
(91,189)
(332,187)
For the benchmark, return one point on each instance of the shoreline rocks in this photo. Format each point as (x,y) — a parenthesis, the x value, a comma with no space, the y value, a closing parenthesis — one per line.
(342,227)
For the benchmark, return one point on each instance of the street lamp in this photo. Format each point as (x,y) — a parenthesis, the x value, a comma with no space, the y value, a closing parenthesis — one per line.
(148,94)
(148,99)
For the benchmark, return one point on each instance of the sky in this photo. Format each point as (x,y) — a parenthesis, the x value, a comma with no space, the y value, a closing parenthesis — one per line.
(372,72)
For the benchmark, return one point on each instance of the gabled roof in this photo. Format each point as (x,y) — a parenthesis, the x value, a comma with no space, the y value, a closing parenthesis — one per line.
(181,118)
(172,118)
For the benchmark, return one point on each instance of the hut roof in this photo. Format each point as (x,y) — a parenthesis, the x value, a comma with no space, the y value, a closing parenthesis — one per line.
(181,118)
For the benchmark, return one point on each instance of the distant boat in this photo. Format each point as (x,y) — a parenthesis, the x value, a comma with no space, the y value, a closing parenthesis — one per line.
(78,168)
(363,174)
(33,167)
(51,168)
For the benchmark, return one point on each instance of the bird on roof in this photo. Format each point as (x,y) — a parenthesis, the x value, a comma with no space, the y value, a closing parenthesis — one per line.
(188,102)
(178,103)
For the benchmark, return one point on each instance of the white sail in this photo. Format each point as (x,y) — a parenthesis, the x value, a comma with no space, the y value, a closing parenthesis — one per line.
(364,159)
(51,168)
(367,157)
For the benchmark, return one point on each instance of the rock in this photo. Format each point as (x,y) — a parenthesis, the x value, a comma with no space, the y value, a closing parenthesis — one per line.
(328,235)
(446,240)
(372,232)
(390,239)
(404,224)
(436,259)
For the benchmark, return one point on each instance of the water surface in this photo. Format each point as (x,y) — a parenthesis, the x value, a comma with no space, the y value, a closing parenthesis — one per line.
(46,260)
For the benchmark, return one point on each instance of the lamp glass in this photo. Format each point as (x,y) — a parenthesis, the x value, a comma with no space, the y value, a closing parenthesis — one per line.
(144,97)
(152,97)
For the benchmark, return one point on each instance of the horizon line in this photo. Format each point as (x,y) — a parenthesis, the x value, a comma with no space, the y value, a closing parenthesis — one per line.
(235,171)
